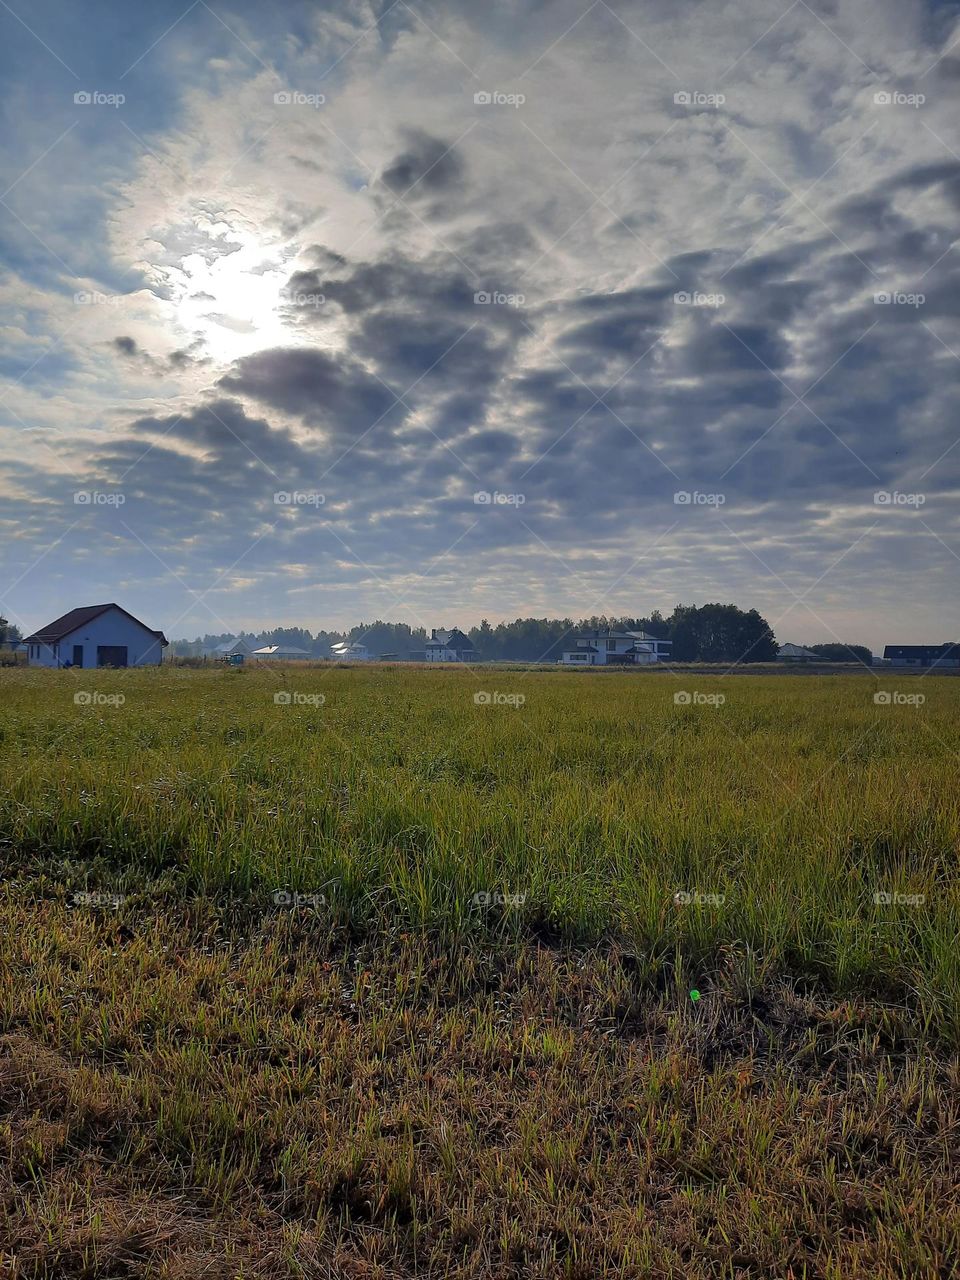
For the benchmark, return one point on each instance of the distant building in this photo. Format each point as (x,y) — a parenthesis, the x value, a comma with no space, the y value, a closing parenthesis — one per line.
(797,653)
(922,655)
(607,647)
(348,651)
(229,649)
(449,646)
(95,635)
(282,653)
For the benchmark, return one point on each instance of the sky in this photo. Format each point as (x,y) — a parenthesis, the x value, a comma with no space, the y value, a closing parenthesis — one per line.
(318,313)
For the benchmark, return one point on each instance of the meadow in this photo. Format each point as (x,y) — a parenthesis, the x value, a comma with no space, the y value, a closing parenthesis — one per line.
(389,971)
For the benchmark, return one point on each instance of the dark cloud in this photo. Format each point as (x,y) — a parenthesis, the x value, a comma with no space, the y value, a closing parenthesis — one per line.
(426,166)
(335,393)
(176,361)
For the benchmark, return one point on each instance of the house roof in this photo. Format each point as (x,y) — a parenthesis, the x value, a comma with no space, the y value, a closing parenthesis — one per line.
(795,651)
(77,618)
(948,650)
(271,650)
(610,633)
(229,645)
(454,639)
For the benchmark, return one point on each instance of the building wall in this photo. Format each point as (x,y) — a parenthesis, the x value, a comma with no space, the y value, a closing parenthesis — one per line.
(111,628)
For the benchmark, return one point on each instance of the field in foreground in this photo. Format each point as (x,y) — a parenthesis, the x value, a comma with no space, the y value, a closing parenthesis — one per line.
(349,972)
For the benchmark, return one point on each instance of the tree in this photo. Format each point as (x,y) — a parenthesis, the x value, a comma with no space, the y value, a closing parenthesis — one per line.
(843,653)
(720,633)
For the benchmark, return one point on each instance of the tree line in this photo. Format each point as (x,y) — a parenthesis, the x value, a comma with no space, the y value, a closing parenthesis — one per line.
(704,633)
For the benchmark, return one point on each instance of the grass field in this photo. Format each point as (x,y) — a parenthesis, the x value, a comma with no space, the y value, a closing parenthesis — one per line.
(340,971)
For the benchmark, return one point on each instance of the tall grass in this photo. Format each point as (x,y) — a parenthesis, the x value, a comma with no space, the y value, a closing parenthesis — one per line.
(778,816)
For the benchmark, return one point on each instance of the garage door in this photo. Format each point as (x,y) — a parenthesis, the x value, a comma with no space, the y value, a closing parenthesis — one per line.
(111,655)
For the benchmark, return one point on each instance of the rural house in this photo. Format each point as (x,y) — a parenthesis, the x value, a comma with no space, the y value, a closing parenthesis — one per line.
(796,653)
(922,655)
(96,635)
(348,651)
(449,646)
(282,653)
(606,647)
(229,649)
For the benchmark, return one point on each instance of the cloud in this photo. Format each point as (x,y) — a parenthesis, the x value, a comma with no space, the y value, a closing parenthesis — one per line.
(597,297)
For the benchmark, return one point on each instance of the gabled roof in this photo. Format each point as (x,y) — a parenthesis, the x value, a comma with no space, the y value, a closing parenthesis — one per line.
(229,645)
(271,650)
(454,639)
(796,651)
(77,618)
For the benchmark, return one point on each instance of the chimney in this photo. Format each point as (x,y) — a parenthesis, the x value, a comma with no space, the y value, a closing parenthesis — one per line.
(433,634)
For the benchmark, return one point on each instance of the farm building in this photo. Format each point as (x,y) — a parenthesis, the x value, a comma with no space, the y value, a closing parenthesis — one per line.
(796,653)
(922,655)
(449,646)
(96,635)
(605,647)
(282,653)
(229,649)
(351,652)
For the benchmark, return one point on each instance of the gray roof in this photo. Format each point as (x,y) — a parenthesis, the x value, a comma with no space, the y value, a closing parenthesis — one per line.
(70,622)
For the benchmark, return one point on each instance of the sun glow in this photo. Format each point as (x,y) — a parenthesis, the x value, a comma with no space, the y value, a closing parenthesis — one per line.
(231,296)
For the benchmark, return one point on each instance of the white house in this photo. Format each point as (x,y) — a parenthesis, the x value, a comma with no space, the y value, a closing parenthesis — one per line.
(606,647)
(282,653)
(449,646)
(97,635)
(351,652)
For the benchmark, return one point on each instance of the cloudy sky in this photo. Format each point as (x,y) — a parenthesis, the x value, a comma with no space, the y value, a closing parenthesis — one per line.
(289,290)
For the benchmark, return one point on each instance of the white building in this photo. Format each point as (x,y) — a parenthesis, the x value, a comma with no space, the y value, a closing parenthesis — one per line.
(449,646)
(282,653)
(96,635)
(624,648)
(348,651)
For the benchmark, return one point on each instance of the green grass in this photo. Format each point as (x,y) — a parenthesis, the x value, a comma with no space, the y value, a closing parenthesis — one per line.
(391,1077)
(788,808)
